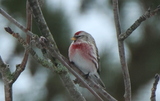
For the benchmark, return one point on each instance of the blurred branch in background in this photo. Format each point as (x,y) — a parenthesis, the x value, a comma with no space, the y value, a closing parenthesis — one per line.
(142,18)
(121,37)
(153,90)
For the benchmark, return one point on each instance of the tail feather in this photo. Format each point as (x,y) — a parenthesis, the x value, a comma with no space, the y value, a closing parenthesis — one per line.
(97,79)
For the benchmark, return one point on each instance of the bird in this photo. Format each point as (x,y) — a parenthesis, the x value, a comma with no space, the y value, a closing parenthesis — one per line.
(83,53)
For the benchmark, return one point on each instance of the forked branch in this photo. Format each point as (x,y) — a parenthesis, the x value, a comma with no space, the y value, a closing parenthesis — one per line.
(124,66)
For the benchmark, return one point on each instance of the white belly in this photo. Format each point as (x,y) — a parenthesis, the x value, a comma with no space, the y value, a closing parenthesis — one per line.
(85,65)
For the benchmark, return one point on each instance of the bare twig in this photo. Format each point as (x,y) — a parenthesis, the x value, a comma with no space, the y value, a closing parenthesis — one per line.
(125,71)
(153,90)
(142,18)
(29,27)
(11,19)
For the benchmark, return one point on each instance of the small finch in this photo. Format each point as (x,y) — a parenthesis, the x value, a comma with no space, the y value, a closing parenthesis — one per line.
(83,53)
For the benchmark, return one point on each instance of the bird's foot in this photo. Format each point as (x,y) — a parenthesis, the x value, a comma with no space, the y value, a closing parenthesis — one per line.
(86,76)
(71,62)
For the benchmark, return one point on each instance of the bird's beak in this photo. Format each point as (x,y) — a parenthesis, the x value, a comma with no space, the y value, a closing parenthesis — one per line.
(73,38)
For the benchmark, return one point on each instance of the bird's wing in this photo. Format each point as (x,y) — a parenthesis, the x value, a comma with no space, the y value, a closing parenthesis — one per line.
(97,57)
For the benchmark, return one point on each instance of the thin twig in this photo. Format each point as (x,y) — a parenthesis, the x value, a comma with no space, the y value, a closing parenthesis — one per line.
(11,19)
(20,68)
(29,27)
(142,18)
(125,71)
(153,90)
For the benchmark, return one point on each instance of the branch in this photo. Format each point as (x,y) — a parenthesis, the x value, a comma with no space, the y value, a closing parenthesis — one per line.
(42,61)
(29,27)
(72,69)
(142,18)
(7,79)
(59,69)
(41,23)
(153,90)
(125,71)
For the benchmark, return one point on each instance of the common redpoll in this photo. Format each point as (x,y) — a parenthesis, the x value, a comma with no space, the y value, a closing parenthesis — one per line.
(84,54)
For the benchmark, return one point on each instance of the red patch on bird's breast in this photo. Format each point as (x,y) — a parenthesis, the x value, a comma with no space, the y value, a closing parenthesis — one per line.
(79,46)
(77,33)
(82,47)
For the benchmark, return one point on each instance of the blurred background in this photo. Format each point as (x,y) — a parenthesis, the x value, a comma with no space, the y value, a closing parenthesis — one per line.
(64,18)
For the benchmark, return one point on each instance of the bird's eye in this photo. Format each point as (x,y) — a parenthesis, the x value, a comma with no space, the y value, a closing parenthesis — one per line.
(78,36)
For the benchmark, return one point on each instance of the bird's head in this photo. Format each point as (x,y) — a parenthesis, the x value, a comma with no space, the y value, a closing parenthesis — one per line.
(82,36)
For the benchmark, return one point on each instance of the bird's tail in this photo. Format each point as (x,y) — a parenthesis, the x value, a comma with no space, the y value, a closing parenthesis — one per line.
(97,79)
